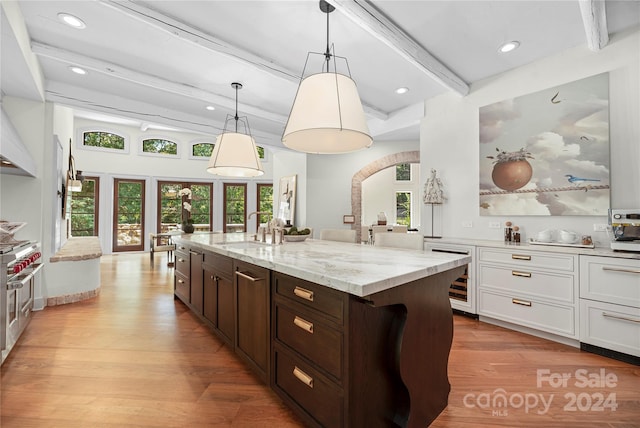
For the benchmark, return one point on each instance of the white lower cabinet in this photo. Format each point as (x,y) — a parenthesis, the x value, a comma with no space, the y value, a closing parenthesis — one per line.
(610,303)
(529,288)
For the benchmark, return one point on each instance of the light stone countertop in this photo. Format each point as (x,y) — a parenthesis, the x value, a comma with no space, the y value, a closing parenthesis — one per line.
(597,251)
(78,248)
(357,269)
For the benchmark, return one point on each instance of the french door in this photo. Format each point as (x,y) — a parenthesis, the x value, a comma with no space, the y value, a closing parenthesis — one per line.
(128,215)
(174,208)
(85,208)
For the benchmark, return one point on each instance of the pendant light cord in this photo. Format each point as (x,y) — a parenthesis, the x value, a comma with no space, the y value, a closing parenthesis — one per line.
(327,54)
(236,116)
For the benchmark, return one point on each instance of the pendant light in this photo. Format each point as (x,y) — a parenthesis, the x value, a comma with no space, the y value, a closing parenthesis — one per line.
(327,115)
(73,184)
(235,153)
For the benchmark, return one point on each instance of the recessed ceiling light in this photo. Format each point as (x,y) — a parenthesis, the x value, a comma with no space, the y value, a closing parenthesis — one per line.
(78,70)
(509,46)
(72,21)
(210,108)
(402,90)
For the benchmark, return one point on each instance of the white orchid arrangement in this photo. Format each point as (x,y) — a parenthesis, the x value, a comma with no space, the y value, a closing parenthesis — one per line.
(186,192)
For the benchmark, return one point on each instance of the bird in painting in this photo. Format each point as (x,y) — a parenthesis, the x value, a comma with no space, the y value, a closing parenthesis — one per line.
(577,180)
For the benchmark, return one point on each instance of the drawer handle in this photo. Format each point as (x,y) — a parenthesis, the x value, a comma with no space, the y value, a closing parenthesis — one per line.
(520,302)
(303,324)
(245,276)
(181,281)
(303,377)
(619,317)
(303,293)
(181,260)
(521,274)
(182,248)
(520,257)
(195,253)
(620,269)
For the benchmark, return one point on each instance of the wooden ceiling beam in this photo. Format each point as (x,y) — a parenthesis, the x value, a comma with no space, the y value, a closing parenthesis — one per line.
(364,14)
(594,18)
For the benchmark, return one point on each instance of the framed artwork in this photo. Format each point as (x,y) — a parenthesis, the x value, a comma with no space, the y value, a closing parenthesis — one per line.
(287,199)
(547,153)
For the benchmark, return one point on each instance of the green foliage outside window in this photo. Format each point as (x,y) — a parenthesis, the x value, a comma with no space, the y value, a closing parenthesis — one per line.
(403,172)
(235,197)
(403,208)
(106,140)
(129,203)
(265,201)
(202,150)
(155,145)
(83,210)
(260,152)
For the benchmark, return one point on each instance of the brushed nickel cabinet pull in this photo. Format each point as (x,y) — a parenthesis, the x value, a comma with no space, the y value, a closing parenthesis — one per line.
(520,257)
(619,317)
(245,276)
(195,253)
(303,324)
(303,293)
(303,377)
(522,274)
(520,302)
(613,269)
(181,260)
(181,281)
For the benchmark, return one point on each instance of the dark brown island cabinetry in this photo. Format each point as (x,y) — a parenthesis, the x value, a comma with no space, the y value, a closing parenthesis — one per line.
(337,359)
(182,281)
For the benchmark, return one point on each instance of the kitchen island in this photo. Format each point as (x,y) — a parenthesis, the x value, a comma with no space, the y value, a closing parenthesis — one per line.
(347,334)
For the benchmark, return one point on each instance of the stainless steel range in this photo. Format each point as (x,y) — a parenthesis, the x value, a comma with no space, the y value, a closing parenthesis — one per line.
(20,267)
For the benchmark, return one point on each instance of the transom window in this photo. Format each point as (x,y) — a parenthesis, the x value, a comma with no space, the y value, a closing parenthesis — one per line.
(403,172)
(160,146)
(202,150)
(104,140)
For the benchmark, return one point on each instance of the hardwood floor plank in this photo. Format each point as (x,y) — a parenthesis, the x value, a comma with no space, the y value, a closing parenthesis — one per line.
(135,357)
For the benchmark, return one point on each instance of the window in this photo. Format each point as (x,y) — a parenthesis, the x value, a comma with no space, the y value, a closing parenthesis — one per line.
(156,145)
(128,215)
(171,208)
(84,208)
(260,151)
(202,150)
(403,208)
(265,202)
(235,207)
(104,140)
(403,172)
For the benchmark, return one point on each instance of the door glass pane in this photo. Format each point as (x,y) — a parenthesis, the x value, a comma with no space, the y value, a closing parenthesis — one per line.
(403,208)
(84,209)
(170,208)
(235,207)
(129,206)
(201,206)
(265,202)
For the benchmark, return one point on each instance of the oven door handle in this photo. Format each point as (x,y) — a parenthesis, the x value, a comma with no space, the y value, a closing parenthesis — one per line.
(14,285)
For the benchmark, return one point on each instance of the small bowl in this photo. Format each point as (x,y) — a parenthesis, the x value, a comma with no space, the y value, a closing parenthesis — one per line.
(545,236)
(295,238)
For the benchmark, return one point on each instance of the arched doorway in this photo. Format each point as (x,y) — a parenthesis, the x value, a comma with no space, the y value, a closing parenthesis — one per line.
(366,172)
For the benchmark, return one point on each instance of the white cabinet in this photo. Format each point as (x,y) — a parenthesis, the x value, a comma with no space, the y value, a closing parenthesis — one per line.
(610,303)
(530,288)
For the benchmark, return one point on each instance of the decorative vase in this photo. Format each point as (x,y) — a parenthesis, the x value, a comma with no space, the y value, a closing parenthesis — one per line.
(188,228)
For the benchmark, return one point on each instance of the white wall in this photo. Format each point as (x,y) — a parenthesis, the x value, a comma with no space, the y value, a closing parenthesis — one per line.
(449,138)
(329,182)
(379,193)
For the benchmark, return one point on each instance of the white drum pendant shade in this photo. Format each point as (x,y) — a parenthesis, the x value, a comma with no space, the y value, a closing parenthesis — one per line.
(327,116)
(235,155)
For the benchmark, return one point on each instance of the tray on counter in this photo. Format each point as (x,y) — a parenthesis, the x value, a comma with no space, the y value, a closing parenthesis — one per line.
(560,244)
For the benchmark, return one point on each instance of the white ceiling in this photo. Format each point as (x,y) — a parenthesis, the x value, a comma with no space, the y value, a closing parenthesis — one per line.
(157,64)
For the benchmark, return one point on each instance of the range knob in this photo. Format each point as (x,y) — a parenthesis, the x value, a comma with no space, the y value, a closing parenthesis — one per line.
(617,216)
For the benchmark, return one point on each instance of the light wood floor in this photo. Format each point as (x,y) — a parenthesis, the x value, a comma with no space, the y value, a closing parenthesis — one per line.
(135,357)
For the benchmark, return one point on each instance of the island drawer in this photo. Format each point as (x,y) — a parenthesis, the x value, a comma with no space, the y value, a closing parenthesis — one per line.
(610,279)
(319,398)
(182,287)
(183,265)
(330,302)
(544,285)
(310,337)
(527,258)
(221,265)
(514,308)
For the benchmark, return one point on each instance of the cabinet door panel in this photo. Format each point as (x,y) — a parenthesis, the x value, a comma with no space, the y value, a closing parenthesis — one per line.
(196,281)
(226,320)
(210,297)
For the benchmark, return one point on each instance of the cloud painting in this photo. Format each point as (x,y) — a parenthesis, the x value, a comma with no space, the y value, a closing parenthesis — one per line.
(547,153)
